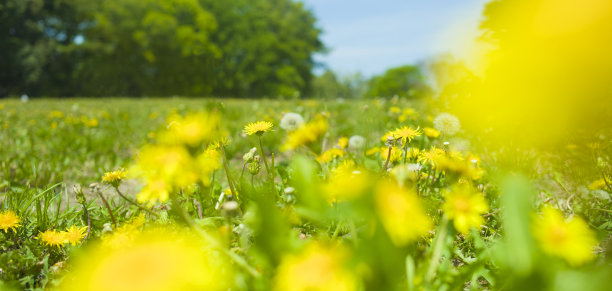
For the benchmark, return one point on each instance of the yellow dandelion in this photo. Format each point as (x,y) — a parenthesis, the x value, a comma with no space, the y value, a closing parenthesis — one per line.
(346,182)
(343,142)
(305,134)
(53,237)
(430,156)
(401,213)
(372,151)
(114,178)
(329,155)
(154,261)
(570,239)
(396,154)
(465,206)
(259,127)
(316,268)
(431,132)
(191,129)
(406,134)
(74,234)
(9,220)
(155,190)
(598,184)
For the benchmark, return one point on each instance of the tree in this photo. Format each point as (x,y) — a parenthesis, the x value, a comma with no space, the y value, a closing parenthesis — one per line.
(404,81)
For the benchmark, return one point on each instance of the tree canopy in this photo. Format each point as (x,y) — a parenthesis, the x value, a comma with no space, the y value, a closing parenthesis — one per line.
(238,48)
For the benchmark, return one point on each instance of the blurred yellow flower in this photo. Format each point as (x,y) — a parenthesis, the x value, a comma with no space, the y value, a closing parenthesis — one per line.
(259,127)
(346,182)
(372,151)
(9,220)
(56,114)
(74,234)
(343,142)
(571,240)
(396,154)
(124,235)
(430,156)
(114,178)
(465,206)
(155,261)
(53,237)
(316,268)
(328,155)
(305,134)
(431,132)
(191,129)
(155,190)
(598,184)
(401,213)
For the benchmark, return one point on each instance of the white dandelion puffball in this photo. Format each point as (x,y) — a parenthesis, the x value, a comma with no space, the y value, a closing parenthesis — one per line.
(356,142)
(447,123)
(291,121)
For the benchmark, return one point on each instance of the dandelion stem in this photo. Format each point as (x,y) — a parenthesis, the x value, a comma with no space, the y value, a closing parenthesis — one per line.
(110,212)
(133,202)
(263,156)
(228,174)
(88,221)
(215,243)
(384,169)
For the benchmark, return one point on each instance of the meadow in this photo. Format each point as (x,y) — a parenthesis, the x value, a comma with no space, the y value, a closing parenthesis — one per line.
(236,194)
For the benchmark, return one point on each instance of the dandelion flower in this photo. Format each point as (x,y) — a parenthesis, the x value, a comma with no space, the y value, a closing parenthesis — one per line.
(329,155)
(346,182)
(465,206)
(305,134)
(401,213)
(114,178)
(570,239)
(447,123)
(343,142)
(430,156)
(316,268)
(405,134)
(53,237)
(396,154)
(9,220)
(259,127)
(356,142)
(431,132)
(155,190)
(192,129)
(291,121)
(74,234)
(153,262)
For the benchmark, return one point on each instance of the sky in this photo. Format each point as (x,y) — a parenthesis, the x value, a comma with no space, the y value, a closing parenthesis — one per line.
(371,36)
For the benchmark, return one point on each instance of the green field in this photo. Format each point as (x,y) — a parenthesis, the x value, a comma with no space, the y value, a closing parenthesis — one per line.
(320,209)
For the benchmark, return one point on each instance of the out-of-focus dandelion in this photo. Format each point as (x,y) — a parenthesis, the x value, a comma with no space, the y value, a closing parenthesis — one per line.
(258,128)
(9,220)
(447,123)
(305,134)
(401,213)
(291,121)
(431,132)
(191,129)
(316,268)
(343,142)
(328,155)
(356,143)
(154,261)
(570,239)
(465,206)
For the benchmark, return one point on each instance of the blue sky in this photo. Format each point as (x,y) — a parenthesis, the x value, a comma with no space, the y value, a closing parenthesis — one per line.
(372,36)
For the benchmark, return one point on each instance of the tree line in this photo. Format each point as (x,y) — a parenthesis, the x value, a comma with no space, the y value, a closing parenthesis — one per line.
(237,48)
